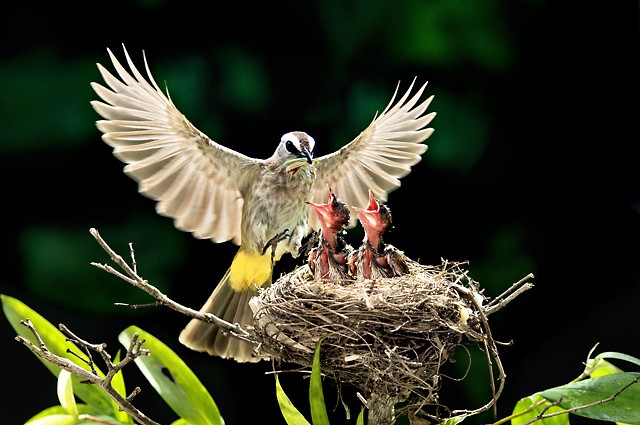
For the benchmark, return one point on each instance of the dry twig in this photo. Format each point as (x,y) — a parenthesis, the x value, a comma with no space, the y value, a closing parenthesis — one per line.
(92,376)
(132,277)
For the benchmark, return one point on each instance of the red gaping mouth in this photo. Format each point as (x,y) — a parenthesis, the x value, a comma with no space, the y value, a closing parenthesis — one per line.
(370,217)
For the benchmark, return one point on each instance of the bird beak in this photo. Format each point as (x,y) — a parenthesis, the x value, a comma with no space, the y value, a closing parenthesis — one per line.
(373,206)
(304,153)
(373,203)
(332,197)
(326,212)
(302,162)
(369,217)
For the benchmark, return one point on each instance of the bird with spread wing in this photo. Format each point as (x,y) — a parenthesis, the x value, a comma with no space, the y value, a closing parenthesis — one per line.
(217,193)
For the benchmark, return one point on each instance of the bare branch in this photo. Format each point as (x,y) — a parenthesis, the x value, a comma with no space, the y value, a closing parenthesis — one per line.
(91,376)
(491,351)
(507,296)
(130,275)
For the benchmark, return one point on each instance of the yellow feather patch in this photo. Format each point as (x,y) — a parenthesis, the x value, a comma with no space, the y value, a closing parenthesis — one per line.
(249,269)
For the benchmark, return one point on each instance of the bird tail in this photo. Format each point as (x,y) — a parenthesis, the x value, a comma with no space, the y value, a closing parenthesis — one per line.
(230,301)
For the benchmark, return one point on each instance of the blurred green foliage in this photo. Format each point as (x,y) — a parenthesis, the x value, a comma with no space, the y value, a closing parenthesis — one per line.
(58,261)
(42,103)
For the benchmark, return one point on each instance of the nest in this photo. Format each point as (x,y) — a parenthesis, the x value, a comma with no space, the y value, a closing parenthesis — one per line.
(387,337)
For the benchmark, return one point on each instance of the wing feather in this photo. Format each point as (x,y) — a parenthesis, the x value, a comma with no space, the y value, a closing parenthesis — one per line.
(381,154)
(194,180)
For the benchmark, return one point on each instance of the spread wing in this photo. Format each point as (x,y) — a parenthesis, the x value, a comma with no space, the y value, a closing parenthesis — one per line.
(193,179)
(378,158)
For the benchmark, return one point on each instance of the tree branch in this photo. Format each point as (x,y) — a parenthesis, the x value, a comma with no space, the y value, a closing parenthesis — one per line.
(507,296)
(130,275)
(91,376)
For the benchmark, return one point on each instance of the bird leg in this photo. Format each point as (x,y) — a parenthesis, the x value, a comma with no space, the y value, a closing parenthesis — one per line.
(307,246)
(274,241)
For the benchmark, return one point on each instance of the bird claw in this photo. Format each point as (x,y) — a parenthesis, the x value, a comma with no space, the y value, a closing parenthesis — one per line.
(274,241)
(309,244)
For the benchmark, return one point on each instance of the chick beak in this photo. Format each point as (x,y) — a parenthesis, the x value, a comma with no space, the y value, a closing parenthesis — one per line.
(370,217)
(373,203)
(324,211)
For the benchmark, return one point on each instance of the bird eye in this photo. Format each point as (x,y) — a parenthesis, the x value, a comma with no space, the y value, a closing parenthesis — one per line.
(290,147)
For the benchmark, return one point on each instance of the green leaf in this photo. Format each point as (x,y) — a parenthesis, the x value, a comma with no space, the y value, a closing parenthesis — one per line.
(84,412)
(600,367)
(319,414)
(118,384)
(526,409)
(55,419)
(65,393)
(173,380)
(624,408)
(291,415)
(50,411)
(56,342)
(618,356)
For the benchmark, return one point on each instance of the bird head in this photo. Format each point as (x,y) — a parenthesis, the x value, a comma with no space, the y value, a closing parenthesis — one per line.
(295,151)
(333,215)
(375,219)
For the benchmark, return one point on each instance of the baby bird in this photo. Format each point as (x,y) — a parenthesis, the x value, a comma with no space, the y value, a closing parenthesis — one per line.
(328,259)
(375,259)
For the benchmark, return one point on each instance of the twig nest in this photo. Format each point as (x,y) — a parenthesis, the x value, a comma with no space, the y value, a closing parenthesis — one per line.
(388,337)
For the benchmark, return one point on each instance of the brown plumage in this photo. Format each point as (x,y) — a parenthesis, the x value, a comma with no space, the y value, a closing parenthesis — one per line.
(375,259)
(219,194)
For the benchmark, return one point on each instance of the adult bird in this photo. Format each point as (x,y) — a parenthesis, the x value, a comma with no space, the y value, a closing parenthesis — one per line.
(375,259)
(328,259)
(219,194)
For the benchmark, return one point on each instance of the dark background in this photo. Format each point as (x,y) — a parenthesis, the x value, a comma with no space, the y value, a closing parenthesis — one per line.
(532,168)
